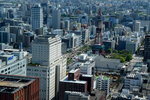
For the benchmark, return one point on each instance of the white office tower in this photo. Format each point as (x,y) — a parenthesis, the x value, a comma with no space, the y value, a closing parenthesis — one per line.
(136,26)
(103,83)
(48,64)
(36,17)
(56,17)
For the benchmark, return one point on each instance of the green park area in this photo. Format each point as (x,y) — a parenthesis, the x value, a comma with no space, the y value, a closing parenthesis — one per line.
(123,55)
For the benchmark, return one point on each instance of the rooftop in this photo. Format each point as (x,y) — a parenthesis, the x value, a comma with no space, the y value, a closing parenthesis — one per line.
(148,35)
(86,75)
(8,56)
(49,38)
(73,70)
(73,81)
(11,84)
(102,77)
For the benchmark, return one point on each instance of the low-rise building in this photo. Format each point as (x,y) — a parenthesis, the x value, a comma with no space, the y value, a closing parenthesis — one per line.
(133,82)
(103,83)
(13,62)
(107,65)
(85,63)
(76,96)
(76,82)
(58,32)
(127,95)
(140,67)
(19,88)
(5,46)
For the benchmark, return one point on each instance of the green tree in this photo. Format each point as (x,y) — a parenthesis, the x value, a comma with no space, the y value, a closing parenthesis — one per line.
(122,60)
(128,57)
(109,50)
(115,51)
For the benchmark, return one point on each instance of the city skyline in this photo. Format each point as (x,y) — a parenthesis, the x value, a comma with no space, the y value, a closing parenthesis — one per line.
(75,50)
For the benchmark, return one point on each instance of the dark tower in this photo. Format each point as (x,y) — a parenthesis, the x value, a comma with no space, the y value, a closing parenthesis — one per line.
(98,47)
(147,47)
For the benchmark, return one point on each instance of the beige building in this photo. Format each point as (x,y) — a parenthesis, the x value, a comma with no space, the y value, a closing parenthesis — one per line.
(48,64)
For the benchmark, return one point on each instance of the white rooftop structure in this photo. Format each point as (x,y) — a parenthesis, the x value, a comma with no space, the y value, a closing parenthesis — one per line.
(13,62)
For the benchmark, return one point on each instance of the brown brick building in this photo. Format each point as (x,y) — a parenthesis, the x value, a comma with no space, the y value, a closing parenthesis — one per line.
(19,88)
(76,82)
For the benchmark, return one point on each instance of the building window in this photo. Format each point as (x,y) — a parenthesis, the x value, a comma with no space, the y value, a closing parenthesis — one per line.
(28,69)
(43,70)
(2,71)
(36,70)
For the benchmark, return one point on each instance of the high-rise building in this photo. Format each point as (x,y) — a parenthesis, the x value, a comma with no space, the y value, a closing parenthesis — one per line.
(83,19)
(148,65)
(147,47)
(77,82)
(92,31)
(49,21)
(136,26)
(4,37)
(27,38)
(98,47)
(48,64)
(103,83)
(19,88)
(56,17)
(67,25)
(46,49)
(36,17)
(13,62)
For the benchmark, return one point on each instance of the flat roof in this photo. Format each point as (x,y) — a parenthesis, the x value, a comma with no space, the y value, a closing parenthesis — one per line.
(12,50)
(72,81)
(103,77)
(86,75)
(6,55)
(76,81)
(11,83)
(73,70)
